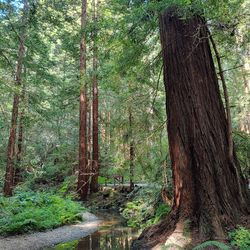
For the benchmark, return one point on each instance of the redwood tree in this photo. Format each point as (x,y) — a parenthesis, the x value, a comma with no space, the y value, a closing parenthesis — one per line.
(95,150)
(19,153)
(9,174)
(82,187)
(206,189)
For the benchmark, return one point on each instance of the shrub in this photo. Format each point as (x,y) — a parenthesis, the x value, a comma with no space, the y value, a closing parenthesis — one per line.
(32,211)
(240,238)
(242,146)
(145,209)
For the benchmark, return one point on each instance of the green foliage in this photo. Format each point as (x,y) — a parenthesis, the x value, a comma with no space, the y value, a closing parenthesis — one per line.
(212,243)
(129,78)
(145,210)
(240,238)
(242,145)
(66,246)
(104,180)
(134,213)
(162,209)
(32,211)
(68,187)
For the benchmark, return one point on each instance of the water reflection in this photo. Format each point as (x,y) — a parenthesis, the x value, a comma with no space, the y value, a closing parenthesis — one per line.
(111,236)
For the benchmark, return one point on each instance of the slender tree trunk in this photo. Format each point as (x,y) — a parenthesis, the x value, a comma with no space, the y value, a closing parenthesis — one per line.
(206,190)
(108,129)
(228,113)
(95,151)
(96,240)
(89,166)
(9,175)
(226,97)
(245,122)
(131,152)
(19,154)
(82,187)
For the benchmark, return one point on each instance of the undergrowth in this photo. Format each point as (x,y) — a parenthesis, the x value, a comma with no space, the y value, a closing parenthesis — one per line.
(30,211)
(240,238)
(211,243)
(145,209)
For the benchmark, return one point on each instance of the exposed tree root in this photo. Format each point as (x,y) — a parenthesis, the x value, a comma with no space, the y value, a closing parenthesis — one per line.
(156,234)
(178,231)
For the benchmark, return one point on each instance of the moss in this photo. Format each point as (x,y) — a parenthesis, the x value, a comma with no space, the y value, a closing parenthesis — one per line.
(66,246)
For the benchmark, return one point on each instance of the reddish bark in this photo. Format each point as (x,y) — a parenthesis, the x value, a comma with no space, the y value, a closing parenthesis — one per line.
(95,151)
(19,154)
(82,187)
(9,175)
(89,132)
(89,165)
(206,187)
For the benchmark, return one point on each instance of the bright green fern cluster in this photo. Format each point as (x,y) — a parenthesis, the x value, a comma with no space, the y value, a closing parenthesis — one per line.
(145,209)
(32,211)
(240,238)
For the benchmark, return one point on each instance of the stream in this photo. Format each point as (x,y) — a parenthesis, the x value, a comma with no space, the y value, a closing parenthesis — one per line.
(113,234)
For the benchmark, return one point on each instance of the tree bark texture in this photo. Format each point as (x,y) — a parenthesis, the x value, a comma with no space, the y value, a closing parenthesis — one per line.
(206,189)
(95,132)
(9,175)
(89,117)
(19,153)
(83,184)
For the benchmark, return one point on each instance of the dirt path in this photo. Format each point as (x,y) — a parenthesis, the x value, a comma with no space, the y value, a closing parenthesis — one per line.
(41,240)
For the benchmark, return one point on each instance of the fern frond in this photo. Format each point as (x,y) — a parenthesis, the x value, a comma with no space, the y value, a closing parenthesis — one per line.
(210,243)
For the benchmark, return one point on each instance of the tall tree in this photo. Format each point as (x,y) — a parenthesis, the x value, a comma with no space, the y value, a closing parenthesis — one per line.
(131,151)
(82,187)
(206,189)
(95,150)
(19,153)
(9,174)
(245,122)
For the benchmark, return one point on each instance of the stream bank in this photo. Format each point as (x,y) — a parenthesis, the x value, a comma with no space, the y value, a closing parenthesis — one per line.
(113,234)
(42,240)
(107,230)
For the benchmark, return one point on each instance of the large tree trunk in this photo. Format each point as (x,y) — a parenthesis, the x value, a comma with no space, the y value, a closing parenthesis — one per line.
(206,189)
(9,175)
(82,187)
(95,150)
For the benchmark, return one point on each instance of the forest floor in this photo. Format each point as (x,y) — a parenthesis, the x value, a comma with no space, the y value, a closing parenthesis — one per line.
(110,198)
(41,240)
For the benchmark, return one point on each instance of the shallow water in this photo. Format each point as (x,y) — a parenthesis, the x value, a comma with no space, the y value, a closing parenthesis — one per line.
(113,234)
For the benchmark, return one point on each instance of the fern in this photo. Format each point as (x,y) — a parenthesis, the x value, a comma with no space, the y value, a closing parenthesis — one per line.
(218,244)
(30,211)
